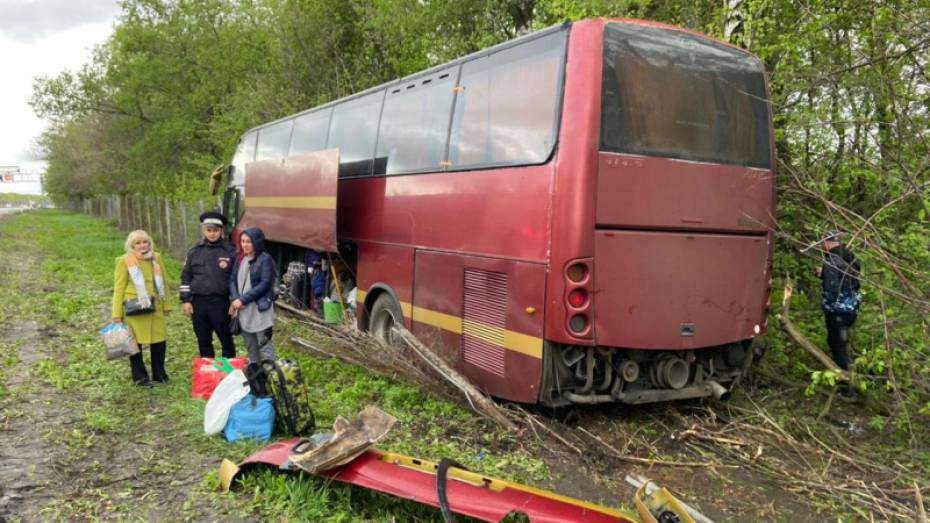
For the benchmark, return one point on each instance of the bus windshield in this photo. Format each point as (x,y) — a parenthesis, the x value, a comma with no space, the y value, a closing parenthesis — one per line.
(673,94)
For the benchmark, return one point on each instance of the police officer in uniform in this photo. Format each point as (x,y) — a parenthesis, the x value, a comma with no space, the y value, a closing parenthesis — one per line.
(205,286)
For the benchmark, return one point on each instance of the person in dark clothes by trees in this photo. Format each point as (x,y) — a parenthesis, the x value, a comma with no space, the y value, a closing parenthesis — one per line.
(841,296)
(205,286)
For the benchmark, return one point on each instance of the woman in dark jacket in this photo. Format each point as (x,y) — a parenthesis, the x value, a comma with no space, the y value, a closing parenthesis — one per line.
(251,289)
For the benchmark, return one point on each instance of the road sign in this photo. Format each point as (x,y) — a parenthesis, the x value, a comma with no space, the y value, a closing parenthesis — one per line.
(20,177)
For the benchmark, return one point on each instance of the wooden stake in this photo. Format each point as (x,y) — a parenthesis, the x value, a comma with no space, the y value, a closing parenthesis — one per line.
(342,303)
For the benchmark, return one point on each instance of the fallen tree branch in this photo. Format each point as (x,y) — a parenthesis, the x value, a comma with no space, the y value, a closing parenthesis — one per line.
(647,461)
(533,421)
(475,397)
(802,340)
(332,354)
(921,513)
(693,431)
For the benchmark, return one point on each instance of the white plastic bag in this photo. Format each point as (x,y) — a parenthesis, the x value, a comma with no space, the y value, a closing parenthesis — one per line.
(233,388)
(118,340)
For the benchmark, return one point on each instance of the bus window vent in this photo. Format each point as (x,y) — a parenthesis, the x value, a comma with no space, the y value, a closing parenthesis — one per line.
(485,318)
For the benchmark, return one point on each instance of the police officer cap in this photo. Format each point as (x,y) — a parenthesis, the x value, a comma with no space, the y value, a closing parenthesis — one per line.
(212,218)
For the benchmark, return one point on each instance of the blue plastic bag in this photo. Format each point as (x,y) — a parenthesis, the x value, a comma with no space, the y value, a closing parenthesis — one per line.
(251,417)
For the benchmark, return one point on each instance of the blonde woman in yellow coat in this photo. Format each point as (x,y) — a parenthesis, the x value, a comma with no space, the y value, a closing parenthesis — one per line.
(138,276)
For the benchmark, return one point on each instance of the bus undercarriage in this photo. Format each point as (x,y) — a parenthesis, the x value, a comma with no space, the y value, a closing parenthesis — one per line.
(575,374)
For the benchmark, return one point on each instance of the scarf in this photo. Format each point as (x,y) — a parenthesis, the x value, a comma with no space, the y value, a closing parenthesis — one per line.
(138,279)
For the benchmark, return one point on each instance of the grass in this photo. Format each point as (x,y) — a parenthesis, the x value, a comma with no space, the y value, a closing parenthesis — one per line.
(157,433)
(16,199)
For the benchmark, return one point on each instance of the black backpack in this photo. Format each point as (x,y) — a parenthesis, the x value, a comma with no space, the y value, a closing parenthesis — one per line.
(284,382)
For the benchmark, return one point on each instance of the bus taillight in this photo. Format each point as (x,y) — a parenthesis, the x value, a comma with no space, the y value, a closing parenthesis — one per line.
(577,298)
(578,323)
(578,306)
(577,272)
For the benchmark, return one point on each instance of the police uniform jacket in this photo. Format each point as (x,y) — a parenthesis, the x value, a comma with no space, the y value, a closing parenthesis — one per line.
(207,269)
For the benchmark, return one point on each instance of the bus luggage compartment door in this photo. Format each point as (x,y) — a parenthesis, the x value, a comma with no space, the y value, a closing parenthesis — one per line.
(482,315)
(678,290)
(293,199)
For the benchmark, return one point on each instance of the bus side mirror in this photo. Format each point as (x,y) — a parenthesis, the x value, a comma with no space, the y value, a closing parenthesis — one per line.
(216,176)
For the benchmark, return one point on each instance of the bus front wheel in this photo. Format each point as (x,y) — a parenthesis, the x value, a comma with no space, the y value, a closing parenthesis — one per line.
(385,314)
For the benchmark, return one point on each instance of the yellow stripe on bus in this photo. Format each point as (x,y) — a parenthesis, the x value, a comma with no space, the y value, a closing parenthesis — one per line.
(292,202)
(523,343)
(437,319)
(507,339)
(406,309)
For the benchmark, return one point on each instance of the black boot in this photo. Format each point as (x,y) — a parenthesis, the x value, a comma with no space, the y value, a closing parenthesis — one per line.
(158,362)
(139,375)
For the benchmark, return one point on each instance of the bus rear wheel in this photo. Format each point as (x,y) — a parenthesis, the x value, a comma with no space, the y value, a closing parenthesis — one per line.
(385,314)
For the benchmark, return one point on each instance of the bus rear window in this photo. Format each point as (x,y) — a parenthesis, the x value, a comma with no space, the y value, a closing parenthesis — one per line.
(673,94)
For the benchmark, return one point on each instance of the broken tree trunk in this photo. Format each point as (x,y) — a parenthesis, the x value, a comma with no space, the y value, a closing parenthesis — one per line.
(802,340)
(474,396)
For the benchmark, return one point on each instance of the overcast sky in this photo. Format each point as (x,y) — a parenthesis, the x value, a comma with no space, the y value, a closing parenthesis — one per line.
(41,38)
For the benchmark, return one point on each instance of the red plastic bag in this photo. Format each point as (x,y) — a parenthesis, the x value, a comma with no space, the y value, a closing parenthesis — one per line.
(209,372)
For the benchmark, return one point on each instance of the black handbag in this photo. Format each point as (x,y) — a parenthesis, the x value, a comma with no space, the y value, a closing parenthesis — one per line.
(234,328)
(132,307)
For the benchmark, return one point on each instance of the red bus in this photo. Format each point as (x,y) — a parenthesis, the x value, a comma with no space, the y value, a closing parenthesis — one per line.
(580,215)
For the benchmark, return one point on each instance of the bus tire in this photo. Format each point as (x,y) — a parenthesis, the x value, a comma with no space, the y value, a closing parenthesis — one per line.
(385,314)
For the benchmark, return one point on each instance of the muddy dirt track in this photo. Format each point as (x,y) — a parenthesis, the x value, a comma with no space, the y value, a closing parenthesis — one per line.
(52,468)
(23,480)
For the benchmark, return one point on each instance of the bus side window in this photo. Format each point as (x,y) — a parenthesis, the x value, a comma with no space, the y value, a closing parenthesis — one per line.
(353,130)
(415,125)
(245,153)
(274,140)
(507,105)
(310,132)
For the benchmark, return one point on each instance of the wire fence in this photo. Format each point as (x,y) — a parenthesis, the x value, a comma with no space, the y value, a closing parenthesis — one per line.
(174,226)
